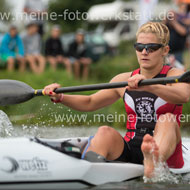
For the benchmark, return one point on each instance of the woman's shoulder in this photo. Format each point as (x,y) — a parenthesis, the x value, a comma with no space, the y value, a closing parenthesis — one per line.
(175,72)
(121,77)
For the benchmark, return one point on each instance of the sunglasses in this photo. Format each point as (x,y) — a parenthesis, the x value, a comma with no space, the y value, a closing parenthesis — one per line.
(148,47)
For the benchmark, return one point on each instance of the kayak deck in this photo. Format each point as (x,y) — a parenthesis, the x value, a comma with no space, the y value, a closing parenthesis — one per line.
(26,164)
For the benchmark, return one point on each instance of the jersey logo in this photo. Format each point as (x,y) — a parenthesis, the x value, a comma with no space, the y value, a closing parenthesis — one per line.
(144,108)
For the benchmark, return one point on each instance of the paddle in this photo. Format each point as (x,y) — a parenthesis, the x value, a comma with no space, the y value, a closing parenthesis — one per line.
(14,92)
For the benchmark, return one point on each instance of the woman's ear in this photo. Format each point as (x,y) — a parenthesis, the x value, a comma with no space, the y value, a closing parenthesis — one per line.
(166,50)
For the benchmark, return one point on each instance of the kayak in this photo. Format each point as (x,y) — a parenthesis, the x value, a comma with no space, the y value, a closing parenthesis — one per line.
(32,163)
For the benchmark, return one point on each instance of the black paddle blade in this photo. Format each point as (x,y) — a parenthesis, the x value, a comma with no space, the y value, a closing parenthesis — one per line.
(185,77)
(14,92)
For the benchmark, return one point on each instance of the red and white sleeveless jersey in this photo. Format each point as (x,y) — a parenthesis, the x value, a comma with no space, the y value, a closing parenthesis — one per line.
(144,108)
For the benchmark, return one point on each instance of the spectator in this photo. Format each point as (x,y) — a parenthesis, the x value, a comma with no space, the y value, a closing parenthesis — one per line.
(32,46)
(36,10)
(54,50)
(12,49)
(78,55)
(178,24)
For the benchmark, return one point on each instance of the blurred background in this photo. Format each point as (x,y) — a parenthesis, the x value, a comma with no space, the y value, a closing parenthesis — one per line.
(79,42)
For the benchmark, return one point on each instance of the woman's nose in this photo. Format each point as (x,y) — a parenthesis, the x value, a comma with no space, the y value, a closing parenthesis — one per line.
(144,51)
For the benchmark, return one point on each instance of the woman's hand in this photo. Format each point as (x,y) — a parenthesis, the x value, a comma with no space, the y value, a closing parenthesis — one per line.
(49,90)
(134,81)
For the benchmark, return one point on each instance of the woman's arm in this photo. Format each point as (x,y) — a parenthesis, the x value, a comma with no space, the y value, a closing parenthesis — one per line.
(92,102)
(177,93)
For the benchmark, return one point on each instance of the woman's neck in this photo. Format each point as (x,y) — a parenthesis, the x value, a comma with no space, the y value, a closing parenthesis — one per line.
(151,73)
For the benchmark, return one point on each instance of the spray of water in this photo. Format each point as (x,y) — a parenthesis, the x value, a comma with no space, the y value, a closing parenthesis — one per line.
(39,129)
(6,127)
(161,172)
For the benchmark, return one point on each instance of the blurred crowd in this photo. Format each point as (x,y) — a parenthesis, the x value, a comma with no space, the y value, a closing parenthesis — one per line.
(27,51)
(30,50)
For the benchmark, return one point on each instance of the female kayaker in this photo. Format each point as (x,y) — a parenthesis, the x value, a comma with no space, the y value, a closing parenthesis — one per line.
(153,111)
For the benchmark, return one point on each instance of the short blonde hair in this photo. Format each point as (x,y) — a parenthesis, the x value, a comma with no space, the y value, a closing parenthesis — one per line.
(157,28)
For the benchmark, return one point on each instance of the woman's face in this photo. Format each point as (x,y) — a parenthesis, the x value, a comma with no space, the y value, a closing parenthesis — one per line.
(150,60)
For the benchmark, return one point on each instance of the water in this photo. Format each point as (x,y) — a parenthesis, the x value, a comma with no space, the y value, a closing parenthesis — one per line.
(6,128)
(163,180)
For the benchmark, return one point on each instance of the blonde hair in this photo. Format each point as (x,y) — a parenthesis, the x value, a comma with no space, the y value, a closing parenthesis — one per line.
(157,28)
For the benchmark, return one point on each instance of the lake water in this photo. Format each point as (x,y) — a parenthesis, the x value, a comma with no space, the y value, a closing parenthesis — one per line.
(168,181)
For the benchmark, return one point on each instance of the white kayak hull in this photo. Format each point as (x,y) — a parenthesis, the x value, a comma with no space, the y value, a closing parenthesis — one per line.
(25,164)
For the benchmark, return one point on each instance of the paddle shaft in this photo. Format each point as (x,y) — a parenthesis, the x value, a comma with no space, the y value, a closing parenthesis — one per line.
(101,86)
(15,92)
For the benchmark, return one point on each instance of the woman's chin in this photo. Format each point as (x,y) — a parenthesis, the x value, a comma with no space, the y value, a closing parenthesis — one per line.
(146,66)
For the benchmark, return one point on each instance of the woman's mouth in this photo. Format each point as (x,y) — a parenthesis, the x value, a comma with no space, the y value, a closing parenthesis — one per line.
(145,59)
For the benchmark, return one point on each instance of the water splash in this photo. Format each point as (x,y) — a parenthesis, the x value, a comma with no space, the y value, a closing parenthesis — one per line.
(6,127)
(162,174)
